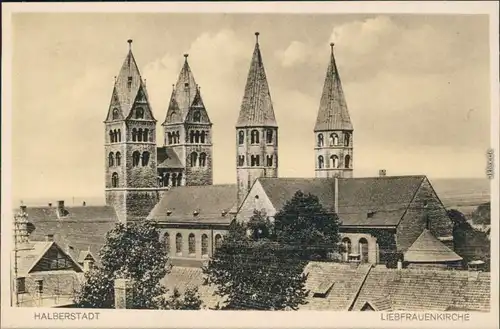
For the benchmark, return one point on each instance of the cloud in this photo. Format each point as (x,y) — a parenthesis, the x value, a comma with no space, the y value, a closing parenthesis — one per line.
(295,54)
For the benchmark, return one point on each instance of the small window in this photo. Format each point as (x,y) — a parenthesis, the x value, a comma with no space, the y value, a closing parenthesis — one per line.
(255,160)
(202,137)
(114,180)
(111,136)
(255,136)
(169,138)
(166,239)
(218,241)
(174,179)
(178,243)
(334,139)
(241,137)
(134,135)
(129,82)
(347,139)
(118,158)
(194,158)
(111,159)
(136,156)
(197,137)
(139,113)
(269,136)
(241,160)
(139,135)
(192,244)
(197,116)
(204,245)
(320,140)
(179,179)
(347,161)
(269,159)
(203,159)
(21,285)
(321,162)
(116,114)
(145,159)
(146,135)
(334,161)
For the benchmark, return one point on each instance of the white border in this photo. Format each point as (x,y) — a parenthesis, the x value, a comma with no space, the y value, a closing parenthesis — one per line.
(24,318)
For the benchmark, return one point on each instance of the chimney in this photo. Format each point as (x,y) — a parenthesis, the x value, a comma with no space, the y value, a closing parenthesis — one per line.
(124,294)
(87,265)
(381,173)
(336,195)
(400,265)
(84,203)
(60,205)
(61,211)
(21,226)
(50,204)
(49,237)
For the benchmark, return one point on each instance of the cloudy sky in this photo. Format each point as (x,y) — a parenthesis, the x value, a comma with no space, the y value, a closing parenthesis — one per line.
(417,88)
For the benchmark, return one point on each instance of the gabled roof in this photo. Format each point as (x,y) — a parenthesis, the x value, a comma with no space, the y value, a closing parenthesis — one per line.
(428,249)
(182,96)
(386,197)
(127,85)
(333,113)
(426,289)
(179,204)
(256,106)
(379,304)
(281,190)
(167,158)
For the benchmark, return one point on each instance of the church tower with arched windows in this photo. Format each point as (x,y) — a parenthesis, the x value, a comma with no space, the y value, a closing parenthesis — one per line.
(130,146)
(187,136)
(333,131)
(256,129)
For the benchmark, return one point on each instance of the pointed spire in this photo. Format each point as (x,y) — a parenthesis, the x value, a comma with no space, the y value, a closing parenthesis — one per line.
(256,106)
(333,113)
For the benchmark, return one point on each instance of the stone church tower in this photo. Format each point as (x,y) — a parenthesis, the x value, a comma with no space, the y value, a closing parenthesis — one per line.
(188,132)
(333,131)
(130,146)
(256,129)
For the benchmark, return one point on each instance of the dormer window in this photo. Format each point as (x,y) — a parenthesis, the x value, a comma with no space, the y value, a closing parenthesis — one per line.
(129,82)
(370,214)
(195,213)
(116,114)
(197,116)
(186,85)
(224,213)
(139,113)
(169,212)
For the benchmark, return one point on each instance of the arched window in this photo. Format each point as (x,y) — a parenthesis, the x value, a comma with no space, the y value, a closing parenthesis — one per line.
(166,239)
(241,137)
(139,113)
(346,243)
(255,136)
(334,139)
(146,135)
(192,244)
(174,179)
(218,241)
(134,135)
(269,159)
(194,158)
(114,180)
(118,158)
(119,135)
(139,135)
(169,138)
(347,139)
(202,137)
(115,136)
(204,245)
(241,160)
(203,159)
(166,178)
(320,140)
(347,161)
(135,158)
(255,160)
(191,136)
(116,114)
(178,244)
(269,136)
(145,158)
(111,139)
(179,179)
(111,159)
(197,137)
(178,139)
(321,162)
(363,250)
(197,116)
(334,161)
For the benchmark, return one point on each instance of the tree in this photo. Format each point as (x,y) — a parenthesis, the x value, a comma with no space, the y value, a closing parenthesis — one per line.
(303,224)
(189,301)
(255,273)
(132,251)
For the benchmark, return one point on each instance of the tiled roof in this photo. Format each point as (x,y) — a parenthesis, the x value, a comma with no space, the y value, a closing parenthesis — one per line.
(333,113)
(167,158)
(84,227)
(380,304)
(256,107)
(126,95)
(281,190)
(182,96)
(388,197)
(209,201)
(29,254)
(344,279)
(190,277)
(426,290)
(428,249)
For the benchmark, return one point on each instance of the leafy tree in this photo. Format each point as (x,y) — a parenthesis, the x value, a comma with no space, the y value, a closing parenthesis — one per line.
(132,251)
(482,214)
(304,224)
(255,273)
(189,301)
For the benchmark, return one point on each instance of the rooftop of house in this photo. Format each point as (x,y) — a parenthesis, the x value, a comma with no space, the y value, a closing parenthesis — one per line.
(210,204)
(428,249)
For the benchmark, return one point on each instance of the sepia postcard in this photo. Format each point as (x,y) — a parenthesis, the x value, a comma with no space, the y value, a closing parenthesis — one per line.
(271,164)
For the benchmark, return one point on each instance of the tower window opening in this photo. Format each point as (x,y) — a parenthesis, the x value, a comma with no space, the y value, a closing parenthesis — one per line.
(334,161)
(111,159)
(241,137)
(145,159)
(118,158)
(134,135)
(197,116)
(241,160)
(174,179)
(334,139)
(166,178)
(255,160)
(269,136)
(146,135)
(255,136)
(203,159)
(179,179)
(111,137)
(197,136)
(347,138)
(269,159)
(129,82)
(139,113)
(139,135)
(347,161)
(116,114)
(114,180)
(119,134)
(135,158)
(202,137)
(320,162)
(194,158)
(169,138)
(320,140)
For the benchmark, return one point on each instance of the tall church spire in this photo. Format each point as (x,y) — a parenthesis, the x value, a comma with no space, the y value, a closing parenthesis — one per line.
(333,130)
(256,107)
(333,113)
